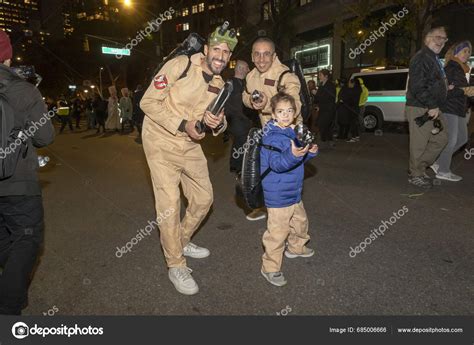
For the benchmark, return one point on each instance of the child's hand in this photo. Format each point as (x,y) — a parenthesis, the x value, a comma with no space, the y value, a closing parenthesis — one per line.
(314,148)
(298,151)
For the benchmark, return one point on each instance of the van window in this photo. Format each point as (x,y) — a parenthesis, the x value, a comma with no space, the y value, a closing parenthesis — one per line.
(385,82)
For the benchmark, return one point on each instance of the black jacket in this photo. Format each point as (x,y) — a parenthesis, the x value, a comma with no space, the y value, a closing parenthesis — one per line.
(238,123)
(348,104)
(29,108)
(456,101)
(426,84)
(325,97)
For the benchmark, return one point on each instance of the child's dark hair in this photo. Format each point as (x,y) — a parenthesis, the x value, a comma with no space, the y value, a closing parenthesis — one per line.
(282,97)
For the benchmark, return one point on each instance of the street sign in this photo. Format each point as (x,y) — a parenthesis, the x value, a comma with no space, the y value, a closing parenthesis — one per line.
(115,51)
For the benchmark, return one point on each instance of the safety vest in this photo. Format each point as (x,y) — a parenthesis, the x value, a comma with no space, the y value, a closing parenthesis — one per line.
(63,111)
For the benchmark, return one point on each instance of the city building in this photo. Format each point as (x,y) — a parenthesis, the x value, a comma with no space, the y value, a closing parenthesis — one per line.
(197,16)
(22,21)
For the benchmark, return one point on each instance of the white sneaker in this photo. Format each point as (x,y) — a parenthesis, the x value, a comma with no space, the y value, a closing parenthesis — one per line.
(308,252)
(194,251)
(182,280)
(448,177)
(257,214)
(434,167)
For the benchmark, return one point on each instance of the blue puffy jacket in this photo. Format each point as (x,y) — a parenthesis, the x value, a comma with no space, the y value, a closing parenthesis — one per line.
(283,185)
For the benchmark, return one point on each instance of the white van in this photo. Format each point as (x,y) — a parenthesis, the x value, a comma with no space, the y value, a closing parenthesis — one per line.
(387,96)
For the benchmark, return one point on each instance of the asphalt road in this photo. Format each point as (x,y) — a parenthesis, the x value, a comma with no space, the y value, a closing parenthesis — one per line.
(97,195)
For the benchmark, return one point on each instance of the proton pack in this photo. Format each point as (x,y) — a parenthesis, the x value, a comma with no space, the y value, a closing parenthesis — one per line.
(295,67)
(250,181)
(194,43)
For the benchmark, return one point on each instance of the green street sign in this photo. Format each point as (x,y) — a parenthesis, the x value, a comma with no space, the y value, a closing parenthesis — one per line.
(115,51)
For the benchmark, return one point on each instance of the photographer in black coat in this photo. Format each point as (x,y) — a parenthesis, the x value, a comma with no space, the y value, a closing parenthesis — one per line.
(21,206)
(426,93)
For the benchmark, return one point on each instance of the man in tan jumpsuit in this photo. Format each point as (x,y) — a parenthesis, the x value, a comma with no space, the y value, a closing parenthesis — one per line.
(264,78)
(172,107)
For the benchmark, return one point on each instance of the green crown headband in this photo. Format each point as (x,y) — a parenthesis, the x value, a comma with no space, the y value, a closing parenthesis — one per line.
(222,34)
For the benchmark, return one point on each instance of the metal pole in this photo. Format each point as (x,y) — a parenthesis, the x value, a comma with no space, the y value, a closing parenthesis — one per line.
(100,82)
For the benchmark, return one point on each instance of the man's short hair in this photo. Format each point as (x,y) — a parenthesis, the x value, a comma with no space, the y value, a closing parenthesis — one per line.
(264,39)
(282,97)
(433,29)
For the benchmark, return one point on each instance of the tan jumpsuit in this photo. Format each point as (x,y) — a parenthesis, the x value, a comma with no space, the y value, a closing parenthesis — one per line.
(268,82)
(173,157)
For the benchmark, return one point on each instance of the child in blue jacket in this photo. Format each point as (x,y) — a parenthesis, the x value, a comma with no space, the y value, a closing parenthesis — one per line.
(287,220)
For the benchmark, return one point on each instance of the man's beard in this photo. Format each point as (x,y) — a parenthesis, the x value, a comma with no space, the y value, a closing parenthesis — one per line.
(213,70)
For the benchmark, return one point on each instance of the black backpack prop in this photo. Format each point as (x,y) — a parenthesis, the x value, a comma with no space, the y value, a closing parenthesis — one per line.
(249,185)
(191,45)
(13,140)
(305,98)
(250,182)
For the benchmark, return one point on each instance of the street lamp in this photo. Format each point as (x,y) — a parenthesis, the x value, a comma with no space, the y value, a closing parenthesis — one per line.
(127,3)
(18,58)
(100,80)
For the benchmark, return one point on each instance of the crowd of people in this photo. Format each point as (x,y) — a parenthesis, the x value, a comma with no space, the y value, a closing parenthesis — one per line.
(113,114)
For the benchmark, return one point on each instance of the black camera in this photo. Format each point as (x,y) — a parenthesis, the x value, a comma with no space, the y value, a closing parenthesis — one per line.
(303,135)
(256,96)
(28,73)
(421,120)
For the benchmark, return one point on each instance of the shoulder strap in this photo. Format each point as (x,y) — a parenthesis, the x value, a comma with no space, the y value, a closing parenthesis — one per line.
(267,171)
(185,72)
(272,148)
(279,88)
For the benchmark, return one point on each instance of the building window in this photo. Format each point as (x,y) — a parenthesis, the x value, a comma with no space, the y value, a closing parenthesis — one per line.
(194,9)
(185,12)
(266,11)
(305,2)
(201,7)
(185,26)
(211,7)
(179,27)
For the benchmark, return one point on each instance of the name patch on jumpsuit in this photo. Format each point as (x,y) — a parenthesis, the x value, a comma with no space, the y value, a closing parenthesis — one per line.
(213,89)
(269,82)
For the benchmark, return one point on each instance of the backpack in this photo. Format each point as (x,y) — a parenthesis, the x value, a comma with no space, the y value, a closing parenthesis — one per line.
(191,45)
(13,143)
(305,98)
(250,183)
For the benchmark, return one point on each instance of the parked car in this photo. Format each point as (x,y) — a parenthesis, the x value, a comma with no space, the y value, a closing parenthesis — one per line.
(387,96)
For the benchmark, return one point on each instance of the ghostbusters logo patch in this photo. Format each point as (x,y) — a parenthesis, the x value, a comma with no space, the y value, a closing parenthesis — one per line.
(160,82)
